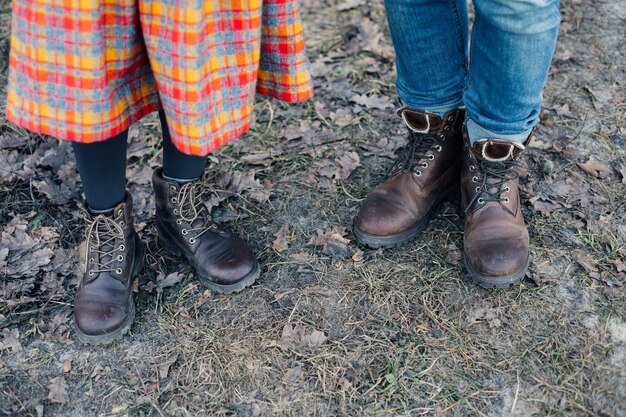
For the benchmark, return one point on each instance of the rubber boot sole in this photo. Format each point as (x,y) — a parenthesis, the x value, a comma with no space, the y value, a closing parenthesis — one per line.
(392,241)
(103,339)
(489,282)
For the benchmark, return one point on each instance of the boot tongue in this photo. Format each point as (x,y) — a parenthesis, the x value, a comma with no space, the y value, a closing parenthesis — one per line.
(493,150)
(420,121)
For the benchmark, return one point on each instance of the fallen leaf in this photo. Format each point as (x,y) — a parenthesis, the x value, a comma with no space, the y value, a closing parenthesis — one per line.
(11,340)
(294,335)
(57,390)
(292,375)
(67,365)
(489,315)
(163,281)
(281,243)
(350,4)
(316,338)
(595,168)
(372,101)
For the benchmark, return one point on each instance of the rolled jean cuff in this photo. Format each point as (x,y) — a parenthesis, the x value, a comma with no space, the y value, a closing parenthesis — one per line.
(438,109)
(477,132)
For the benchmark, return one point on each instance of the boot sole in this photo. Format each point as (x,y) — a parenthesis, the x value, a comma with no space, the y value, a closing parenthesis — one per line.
(245,282)
(375,242)
(103,339)
(489,282)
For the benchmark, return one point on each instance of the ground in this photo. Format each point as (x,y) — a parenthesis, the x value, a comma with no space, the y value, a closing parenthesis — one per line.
(331,328)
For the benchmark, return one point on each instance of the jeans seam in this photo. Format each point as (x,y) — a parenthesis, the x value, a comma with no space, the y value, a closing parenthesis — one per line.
(461,41)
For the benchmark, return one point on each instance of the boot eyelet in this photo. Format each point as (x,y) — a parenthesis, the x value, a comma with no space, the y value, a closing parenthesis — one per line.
(192,240)
(173,200)
(506,200)
(91,273)
(122,223)
(474,179)
(418,173)
(446,128)
(424,165)
(122,247)
(91,249)
(120,258)
(438,148)
(175,211)
(184,232)
(477,189)
(119,271)
(179,221)
(481,201)
(431,157)
(451,119)
(442,137)
(172,188)
(472,168)
(92,260)
(507,189)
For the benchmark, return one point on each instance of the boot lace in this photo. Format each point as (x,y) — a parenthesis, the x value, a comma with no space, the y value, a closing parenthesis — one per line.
(102,233)
(194,212)
(495,175)
(415,151)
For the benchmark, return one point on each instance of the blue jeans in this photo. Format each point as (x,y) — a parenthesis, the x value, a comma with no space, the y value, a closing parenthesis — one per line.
(511,48)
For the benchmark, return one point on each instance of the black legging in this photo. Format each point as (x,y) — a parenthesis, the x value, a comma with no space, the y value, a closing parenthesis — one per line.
(102,167)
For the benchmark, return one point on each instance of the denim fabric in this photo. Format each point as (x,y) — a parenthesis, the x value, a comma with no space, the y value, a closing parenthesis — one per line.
(512,44)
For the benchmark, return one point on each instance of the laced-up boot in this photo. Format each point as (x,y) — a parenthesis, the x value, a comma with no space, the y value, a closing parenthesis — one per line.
(223,262)
(104,308)
(426,173)
(496,252)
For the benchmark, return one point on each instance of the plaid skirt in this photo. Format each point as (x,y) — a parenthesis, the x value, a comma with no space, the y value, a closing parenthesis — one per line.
(85,70)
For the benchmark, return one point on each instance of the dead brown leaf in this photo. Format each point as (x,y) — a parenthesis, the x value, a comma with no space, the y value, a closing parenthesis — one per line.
(595,168)
(281,243)
(11,340)
(58,390)
(292,375)
(372,101)
(295,335)
(67,365)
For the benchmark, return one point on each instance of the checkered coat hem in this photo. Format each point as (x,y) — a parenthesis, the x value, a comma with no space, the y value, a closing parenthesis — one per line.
(86,70)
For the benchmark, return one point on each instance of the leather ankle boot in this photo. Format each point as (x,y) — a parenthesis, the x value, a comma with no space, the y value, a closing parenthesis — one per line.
(496,252)
(425,174)
(104,308)
(223,262)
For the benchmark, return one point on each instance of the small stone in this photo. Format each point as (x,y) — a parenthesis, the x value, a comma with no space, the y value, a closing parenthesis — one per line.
(547,166)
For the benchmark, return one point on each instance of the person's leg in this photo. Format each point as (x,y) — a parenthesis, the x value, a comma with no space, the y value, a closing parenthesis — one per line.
(512,45)
(102,168)
(104,308)
(223,261)
(178,166)
(430,40)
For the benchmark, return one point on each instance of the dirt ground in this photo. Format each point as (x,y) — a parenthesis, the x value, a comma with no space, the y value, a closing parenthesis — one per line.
(333,329)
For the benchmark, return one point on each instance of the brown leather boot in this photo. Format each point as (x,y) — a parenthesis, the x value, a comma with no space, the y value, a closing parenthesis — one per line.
(104,308)
(426,173)
(223,262)
(496,252)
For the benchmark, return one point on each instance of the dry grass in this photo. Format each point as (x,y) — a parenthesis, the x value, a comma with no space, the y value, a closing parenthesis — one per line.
(408,333)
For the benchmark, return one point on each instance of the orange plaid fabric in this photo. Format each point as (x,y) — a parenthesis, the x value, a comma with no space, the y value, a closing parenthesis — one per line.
(85,70)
